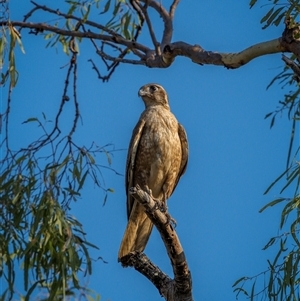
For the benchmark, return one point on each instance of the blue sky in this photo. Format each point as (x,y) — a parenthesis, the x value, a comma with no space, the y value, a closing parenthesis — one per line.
(234,155)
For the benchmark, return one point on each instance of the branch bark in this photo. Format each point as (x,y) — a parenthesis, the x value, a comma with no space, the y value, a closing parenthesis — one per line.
(180,288)
(148,57)
(163,54)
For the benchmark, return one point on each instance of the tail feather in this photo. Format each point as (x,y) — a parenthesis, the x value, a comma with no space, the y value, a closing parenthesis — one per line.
(137,232)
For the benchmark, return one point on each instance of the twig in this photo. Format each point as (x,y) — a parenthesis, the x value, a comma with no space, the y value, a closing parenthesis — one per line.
(173,8)
(40,27)
(77,113)
(168,24)
(150,27)
(116,59)
(68,16)
(141,17)
(295,67)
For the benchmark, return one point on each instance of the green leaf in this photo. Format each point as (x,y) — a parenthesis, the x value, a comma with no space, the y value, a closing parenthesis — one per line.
(268,115)
(279,18)
(270,243)
(116,9)
(288,269)
(252,3)
(106,7)
(272,204)
(277,179)
(252,291)
(20,43)
(291,178)
(273,16)
(108,157)
(32,289)
(30,120)
(125,20)
(266,17)
(90,244)
(86,15)
(239,280)
(239,290)
(91,158)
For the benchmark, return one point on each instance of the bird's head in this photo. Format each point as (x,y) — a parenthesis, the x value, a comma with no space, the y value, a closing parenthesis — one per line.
(154,95)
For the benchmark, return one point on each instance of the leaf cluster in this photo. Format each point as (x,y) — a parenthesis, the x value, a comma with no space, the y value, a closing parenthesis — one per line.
(36,230)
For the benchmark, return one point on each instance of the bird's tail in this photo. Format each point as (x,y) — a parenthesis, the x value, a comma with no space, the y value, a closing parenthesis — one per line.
(137,232)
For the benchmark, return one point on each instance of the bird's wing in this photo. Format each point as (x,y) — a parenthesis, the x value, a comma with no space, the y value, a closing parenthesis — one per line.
(184,153)
(130,164)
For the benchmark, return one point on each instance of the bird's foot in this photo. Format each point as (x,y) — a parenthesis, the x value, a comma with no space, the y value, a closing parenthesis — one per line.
(162,206)
(171,220)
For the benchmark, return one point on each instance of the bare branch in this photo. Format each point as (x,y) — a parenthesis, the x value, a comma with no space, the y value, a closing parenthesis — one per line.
(181,287)
(173,8)
(76,104)
(67,16)
(168,24)
(230,60)
(295,67)
(152,272)
(121,60)
(150,27)
(40,27)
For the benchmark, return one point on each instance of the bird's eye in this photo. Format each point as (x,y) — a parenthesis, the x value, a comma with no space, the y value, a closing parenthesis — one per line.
(152,89)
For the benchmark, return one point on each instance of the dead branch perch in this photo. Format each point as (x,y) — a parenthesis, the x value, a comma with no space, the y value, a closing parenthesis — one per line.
(180,288)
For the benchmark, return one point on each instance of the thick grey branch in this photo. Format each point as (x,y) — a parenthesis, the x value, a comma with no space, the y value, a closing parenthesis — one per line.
(230,60)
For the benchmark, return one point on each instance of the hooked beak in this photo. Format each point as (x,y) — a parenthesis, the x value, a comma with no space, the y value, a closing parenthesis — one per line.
(141,92)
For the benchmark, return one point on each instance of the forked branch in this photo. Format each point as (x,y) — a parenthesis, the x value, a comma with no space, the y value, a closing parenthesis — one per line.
(180,288)
(163,53)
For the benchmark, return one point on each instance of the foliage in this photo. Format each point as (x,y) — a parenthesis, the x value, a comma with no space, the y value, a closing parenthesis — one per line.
(281,280)
(36,230)
(38,182)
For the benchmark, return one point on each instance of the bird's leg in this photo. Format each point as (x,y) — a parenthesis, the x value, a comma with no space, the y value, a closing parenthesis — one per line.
(158,204)
(161,206)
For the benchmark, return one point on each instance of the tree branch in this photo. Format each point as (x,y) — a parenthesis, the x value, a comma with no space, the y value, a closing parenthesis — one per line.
(150,27)
(173,8)
(230,60)
(195,52)
(181,287)
(162,56)
(168,24)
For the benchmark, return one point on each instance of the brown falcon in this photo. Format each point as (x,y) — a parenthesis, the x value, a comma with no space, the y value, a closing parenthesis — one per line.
(157,157)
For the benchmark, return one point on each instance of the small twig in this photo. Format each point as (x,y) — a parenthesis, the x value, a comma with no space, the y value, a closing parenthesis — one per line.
(173,8)
(68,16)
(40,27)
(295,67)
(141,18)
(95,68)
(150,27)
(77,113)
(116,59)
(168,24)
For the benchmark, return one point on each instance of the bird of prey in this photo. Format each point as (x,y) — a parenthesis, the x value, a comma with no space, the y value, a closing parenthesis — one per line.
(157,158)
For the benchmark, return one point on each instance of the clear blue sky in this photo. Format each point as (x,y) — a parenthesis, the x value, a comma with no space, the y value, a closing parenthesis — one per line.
(234,155)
